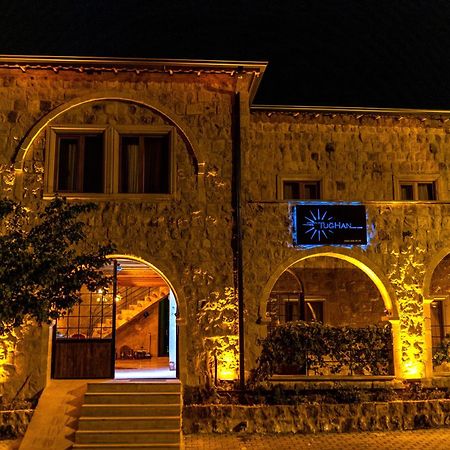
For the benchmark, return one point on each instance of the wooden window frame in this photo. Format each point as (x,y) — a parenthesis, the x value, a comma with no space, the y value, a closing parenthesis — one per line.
(286,297)
(111,144)
(300,178)
(414,181)
(140,131)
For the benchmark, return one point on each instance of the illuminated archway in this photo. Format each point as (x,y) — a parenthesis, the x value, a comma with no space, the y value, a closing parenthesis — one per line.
(146,321)
(358,260)
(428,298)
(181,308)
(182,128)
(431,267)
(110,333)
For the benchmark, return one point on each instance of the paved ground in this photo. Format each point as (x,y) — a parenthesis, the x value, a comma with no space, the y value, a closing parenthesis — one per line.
(395,440)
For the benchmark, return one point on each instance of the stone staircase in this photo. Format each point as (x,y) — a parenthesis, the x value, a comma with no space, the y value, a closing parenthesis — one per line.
(129,415)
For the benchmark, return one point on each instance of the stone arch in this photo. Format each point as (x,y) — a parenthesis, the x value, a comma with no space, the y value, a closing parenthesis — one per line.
(190,141)
(431,267)
(181,307)
(357,259)
(365,265)
(427,301)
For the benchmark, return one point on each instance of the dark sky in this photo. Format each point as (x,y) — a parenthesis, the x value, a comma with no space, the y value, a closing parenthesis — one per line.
(372,53)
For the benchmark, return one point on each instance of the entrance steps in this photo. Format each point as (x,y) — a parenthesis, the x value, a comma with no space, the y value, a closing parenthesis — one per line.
(130,415)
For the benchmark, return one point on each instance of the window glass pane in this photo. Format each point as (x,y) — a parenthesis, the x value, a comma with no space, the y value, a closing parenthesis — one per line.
(312,191)
(301,190)
(291,190)
(91,318)
(130,176)
(80,163)
(69,153)
(93,164)
(406,192)
(426,191)
(144,164)
(291,310)
(437,323)
(156,165)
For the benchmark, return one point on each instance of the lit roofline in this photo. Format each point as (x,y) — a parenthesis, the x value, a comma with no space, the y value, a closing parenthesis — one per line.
(54,62)
(349,110)
(134,62)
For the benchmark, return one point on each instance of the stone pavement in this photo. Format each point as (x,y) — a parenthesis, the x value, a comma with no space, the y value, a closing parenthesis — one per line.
(393,440)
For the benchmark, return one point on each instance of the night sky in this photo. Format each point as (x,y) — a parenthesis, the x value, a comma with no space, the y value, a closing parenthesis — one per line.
(373,53)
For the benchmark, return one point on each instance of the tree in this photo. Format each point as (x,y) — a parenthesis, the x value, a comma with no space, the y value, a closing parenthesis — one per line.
(45,260)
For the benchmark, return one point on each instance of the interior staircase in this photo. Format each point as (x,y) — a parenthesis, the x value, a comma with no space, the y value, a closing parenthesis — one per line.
(126,312)
(133,302)
(130,415)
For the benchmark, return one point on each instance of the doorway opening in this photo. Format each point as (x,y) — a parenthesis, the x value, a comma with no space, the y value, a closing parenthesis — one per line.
(145,328)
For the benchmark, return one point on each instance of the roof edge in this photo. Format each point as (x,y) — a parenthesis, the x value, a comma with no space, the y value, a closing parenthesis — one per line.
(350,110)
(132,62)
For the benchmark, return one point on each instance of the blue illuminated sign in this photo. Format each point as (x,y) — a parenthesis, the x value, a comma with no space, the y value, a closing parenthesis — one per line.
(319,224)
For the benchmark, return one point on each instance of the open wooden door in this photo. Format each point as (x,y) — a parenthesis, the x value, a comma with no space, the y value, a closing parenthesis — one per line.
(84,340)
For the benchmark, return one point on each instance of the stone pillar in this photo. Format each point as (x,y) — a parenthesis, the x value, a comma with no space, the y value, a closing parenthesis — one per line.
(397,348)
(428,347)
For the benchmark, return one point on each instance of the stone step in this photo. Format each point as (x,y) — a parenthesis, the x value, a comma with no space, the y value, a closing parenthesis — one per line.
(165,398)
(133,410)
(127,436)
(129,423)
(156,446)
(169,386)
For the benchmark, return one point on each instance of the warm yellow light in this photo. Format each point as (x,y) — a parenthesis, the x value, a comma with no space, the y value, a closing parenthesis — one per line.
(227,366)
(412,370)
(7,349)
(368,271)
(224,356)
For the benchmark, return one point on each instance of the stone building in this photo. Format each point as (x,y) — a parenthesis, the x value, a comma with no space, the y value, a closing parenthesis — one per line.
(198,189)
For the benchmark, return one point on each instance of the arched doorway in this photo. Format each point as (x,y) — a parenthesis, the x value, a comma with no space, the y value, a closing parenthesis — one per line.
(437,313)
(335,287)
(125,331)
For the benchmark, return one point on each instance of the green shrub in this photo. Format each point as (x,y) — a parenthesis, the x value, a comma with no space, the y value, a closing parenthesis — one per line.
(294,346)
(442,353)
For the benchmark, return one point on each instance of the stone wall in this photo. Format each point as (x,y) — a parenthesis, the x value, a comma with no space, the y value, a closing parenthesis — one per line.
(355,155)
(23,362)
(356,158)
(317,418)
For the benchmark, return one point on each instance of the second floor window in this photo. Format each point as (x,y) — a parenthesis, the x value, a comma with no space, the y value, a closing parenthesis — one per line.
(301,190)
(414,190)
(98,161)
(144,164)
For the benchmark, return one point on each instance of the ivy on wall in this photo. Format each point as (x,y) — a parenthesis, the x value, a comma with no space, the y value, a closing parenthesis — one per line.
(295,347)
